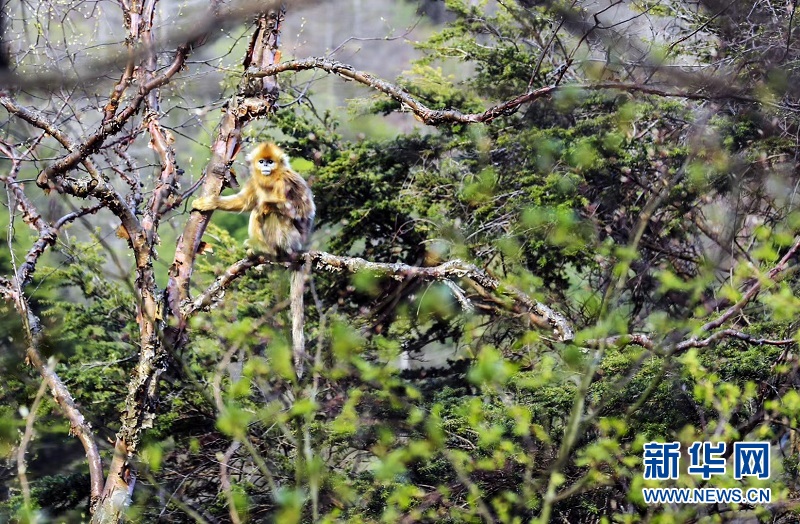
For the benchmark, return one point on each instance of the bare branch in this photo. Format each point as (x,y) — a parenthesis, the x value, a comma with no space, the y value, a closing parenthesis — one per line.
(205,27)
(78,424)
(95,185)
(732,333)
(47,237)
(435,117)
(240,110)
(27,436)
(620,341)
(161,141)
(32,217)
(93,143)
(454,269)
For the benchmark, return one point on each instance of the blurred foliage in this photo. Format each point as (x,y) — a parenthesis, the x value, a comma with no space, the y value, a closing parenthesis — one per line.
(625,212)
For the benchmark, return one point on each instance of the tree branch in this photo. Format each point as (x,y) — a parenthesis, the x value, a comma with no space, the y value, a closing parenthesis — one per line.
(435,117)
(32,217)
(239,111)
(78,424)
(454,269)
(198,30)
(95,141)
(641,339)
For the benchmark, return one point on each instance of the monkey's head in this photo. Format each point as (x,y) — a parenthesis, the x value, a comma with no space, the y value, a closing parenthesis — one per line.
(266,157)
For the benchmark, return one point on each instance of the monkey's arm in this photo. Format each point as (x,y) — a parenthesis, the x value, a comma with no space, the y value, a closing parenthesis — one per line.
(244,200)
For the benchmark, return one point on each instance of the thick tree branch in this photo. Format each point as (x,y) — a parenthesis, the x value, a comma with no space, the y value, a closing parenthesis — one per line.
(142,394)
(78,424)
(240,110)
(454,269)
(435,117)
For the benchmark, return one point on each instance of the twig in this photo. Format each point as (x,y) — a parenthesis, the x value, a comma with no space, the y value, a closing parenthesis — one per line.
(27,436)
(225,479)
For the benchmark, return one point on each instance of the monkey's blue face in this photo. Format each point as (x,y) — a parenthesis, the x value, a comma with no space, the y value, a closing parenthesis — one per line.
(265,165)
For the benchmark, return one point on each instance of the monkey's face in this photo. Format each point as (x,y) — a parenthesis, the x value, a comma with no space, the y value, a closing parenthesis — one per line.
(265,165)
(266,157)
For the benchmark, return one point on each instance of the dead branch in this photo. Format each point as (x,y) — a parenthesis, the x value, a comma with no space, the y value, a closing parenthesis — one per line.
(142,394)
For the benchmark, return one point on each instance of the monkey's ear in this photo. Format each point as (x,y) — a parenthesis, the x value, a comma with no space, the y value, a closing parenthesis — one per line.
(286,161)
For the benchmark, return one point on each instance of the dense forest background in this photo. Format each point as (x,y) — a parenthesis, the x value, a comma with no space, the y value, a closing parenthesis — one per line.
(547,234)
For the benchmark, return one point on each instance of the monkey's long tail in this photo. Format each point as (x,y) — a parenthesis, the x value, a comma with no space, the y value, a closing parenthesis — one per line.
(298,285)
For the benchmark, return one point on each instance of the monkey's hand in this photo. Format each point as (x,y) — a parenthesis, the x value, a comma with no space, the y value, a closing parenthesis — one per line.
(206,203)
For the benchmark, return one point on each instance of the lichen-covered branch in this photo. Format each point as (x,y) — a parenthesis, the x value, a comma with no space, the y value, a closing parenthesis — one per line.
(453,270)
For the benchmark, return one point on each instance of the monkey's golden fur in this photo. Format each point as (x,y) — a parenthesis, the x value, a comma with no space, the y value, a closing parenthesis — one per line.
(281,215)
(280,201)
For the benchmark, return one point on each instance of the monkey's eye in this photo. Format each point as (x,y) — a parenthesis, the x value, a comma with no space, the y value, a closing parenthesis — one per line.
(266,161)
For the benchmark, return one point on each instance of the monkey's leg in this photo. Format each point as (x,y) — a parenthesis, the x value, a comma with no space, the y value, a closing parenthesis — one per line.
(256,239)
